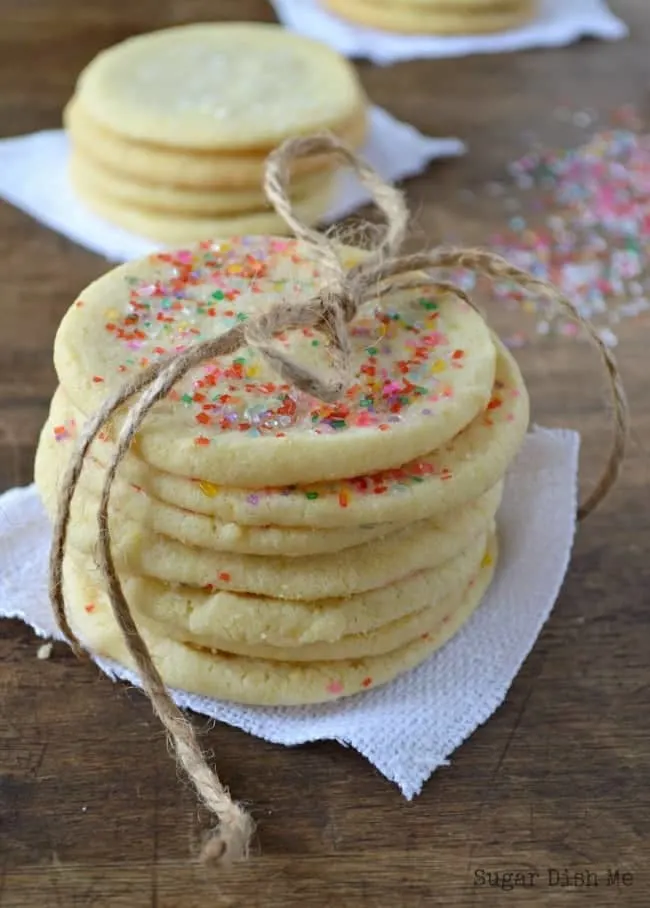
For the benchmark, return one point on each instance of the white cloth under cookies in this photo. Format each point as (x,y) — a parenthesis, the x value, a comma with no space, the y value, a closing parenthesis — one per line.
(558,24)
(33,178)
(410,727)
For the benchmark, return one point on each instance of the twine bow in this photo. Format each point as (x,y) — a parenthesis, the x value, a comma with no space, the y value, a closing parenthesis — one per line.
(383,270)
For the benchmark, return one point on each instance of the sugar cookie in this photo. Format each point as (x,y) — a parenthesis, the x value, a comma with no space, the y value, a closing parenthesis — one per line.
(444,18)
(182,200)
(423,366)
(428,486)
(173,229)
(226,85)
(257,681)
(130,503)
(364,567)
(184,168)
(284,630)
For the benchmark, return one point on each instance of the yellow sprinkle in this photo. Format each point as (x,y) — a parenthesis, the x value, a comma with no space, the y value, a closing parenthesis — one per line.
(111,313)
(252,371)
(438,365)
(234,269)
(208,488)
(487,560)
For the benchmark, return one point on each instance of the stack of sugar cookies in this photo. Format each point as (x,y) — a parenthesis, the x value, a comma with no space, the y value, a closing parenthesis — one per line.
(436,17)
(275,549)
(170,130)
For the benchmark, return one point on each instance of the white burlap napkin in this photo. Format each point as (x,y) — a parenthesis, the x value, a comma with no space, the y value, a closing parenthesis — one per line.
(33,177)
(559,23)
(410,727)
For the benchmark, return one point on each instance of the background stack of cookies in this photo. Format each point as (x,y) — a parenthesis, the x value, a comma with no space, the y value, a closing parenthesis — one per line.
(275,549)
(436,17)
(170,130)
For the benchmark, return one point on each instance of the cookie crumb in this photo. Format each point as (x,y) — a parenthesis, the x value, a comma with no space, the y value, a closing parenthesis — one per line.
(44,651)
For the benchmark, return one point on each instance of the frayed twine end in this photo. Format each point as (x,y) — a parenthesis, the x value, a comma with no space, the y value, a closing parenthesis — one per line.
(229,843)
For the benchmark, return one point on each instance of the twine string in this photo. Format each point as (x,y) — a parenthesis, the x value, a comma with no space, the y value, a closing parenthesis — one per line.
(383,269)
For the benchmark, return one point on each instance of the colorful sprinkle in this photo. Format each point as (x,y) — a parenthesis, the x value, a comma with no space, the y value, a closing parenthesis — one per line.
(582,222)
(208,488)
(65,431)
(334,687)
(194,295)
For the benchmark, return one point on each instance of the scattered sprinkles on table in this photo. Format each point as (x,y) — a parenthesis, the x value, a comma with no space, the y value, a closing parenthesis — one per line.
(580,218)
(405,359)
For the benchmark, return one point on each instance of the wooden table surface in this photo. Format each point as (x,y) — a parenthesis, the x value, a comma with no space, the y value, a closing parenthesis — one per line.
(92,812)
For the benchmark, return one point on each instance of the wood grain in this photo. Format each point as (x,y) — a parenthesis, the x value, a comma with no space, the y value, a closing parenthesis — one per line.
(92,812)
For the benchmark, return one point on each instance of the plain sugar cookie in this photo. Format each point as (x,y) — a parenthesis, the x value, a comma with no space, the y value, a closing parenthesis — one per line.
(422,545)
(176,228)
(226,85)
(257,681)
(191,169)
(187,201)
(433,18)
(284,630)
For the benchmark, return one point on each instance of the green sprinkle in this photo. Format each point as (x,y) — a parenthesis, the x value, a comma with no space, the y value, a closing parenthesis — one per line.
(312,496)
(186,398)
(338,423)
(371,351)
(218,295)
(241,316)
(428,304)
(315,343)
(240,361)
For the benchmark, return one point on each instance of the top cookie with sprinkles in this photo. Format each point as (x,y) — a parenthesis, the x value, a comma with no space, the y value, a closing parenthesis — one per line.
(219,86)
(423,366)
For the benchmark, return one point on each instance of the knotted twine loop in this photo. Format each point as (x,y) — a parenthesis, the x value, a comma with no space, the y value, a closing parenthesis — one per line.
(383,270)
